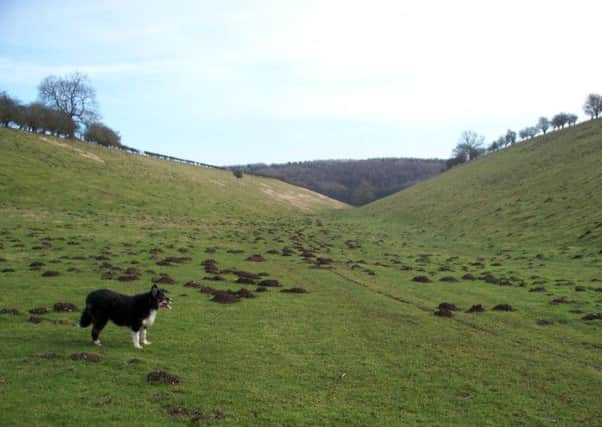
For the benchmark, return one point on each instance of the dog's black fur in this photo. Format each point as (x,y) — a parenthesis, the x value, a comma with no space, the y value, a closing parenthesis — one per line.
(124,310)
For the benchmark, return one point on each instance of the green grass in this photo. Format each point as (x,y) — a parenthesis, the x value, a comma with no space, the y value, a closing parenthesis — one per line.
(361,348)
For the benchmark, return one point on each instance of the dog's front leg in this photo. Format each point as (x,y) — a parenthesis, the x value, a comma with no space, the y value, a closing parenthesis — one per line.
(136,338)
(143,335)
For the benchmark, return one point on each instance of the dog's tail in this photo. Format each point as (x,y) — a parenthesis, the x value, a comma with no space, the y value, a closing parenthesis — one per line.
(86,318)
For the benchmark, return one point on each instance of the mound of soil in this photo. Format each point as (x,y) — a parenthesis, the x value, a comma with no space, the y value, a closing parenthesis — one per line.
(561,300)
(450,279)
(37,265)
(235,251)
(164,279)
(444,313)
(538,289)
(580,289)
(216,278)
(270,283)
(211,250)
(469,276)
(154,251)
(224,297)
(51,273)
(38,310)
(195,415)
(35,319)
(592,316)
(86,357)
(489,278)
(543,322)
(65,307)
(207,290)
(107,275)
(295,291)
(503,307)
(261,289)
(242,293)
(477,308)
(255,258)
(192,284)
(447,306)
(287,252)
(245,281)
(172,260)
(421,279)
(162,377)
(13,311)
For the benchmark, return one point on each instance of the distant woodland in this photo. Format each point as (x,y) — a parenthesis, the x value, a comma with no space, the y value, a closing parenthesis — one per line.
(356,182)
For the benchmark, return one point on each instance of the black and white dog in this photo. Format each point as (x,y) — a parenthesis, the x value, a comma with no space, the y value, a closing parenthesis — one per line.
(137,312)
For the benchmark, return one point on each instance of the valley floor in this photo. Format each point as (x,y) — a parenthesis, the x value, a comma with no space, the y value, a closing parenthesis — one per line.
(362,347)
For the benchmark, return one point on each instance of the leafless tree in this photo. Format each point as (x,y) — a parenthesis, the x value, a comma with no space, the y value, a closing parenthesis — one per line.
(9,109)
(470,146)
(543,124)
(593,105)
(510,137)
(72,94)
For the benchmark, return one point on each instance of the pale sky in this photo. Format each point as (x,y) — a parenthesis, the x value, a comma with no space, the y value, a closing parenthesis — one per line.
(231,82)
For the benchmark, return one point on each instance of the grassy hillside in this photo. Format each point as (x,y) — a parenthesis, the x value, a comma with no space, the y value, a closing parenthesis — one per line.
(46,174)
(546,191)
(362,346)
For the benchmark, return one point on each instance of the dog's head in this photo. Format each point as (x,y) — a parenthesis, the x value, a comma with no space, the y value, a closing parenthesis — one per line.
(158,296)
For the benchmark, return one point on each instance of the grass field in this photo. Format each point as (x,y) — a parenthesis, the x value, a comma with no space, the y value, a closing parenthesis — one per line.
(361,347)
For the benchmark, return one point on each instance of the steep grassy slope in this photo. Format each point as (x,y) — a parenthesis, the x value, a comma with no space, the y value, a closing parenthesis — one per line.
(543,191)
(361,347)
(47,174)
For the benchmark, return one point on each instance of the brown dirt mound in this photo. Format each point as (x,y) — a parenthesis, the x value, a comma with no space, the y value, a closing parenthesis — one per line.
(65,307)
(36,319)
(544,322)
(155,251)
(245,281)
(224,297)
(270,283)
(561,300)
(242,293)
(164,279)
(580,289)
(443,313)
(207,290)
(216,278)
(38,310)
(51,273)
(324,261)
(86,357)
(447,306)
(172,260)
(449,279)
(477,308)
(235,251)
(245,274)
(592,316)
(211,250)
(469,276)
(255,258)
(37,265)
(162,377)
(295,291)
(261,289)
(192,284)
(538,289)
(503,307)
(421,279)
(195,415)
(13,311)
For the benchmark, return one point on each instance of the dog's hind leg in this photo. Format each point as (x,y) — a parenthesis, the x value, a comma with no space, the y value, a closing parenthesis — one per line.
(143,335)
(97,327)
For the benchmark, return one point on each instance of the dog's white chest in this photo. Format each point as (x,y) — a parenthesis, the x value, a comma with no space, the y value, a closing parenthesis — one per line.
(150,319)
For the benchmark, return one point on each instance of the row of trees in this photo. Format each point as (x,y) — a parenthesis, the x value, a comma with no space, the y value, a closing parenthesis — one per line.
(65,106)
(471,144)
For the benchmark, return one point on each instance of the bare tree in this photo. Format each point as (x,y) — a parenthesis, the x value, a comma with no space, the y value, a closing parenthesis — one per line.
(510,137)
(469,147)
(560,120)
(593,105)
(571,119)
(72,94)
(543,124)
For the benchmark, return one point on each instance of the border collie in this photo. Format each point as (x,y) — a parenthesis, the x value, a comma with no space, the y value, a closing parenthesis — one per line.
(137,312)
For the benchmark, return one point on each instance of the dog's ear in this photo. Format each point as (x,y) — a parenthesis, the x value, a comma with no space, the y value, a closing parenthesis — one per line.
(154,291)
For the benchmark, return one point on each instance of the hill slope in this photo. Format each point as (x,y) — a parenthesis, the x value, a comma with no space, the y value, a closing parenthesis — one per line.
(544,190)
(356,182)
(40,172)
